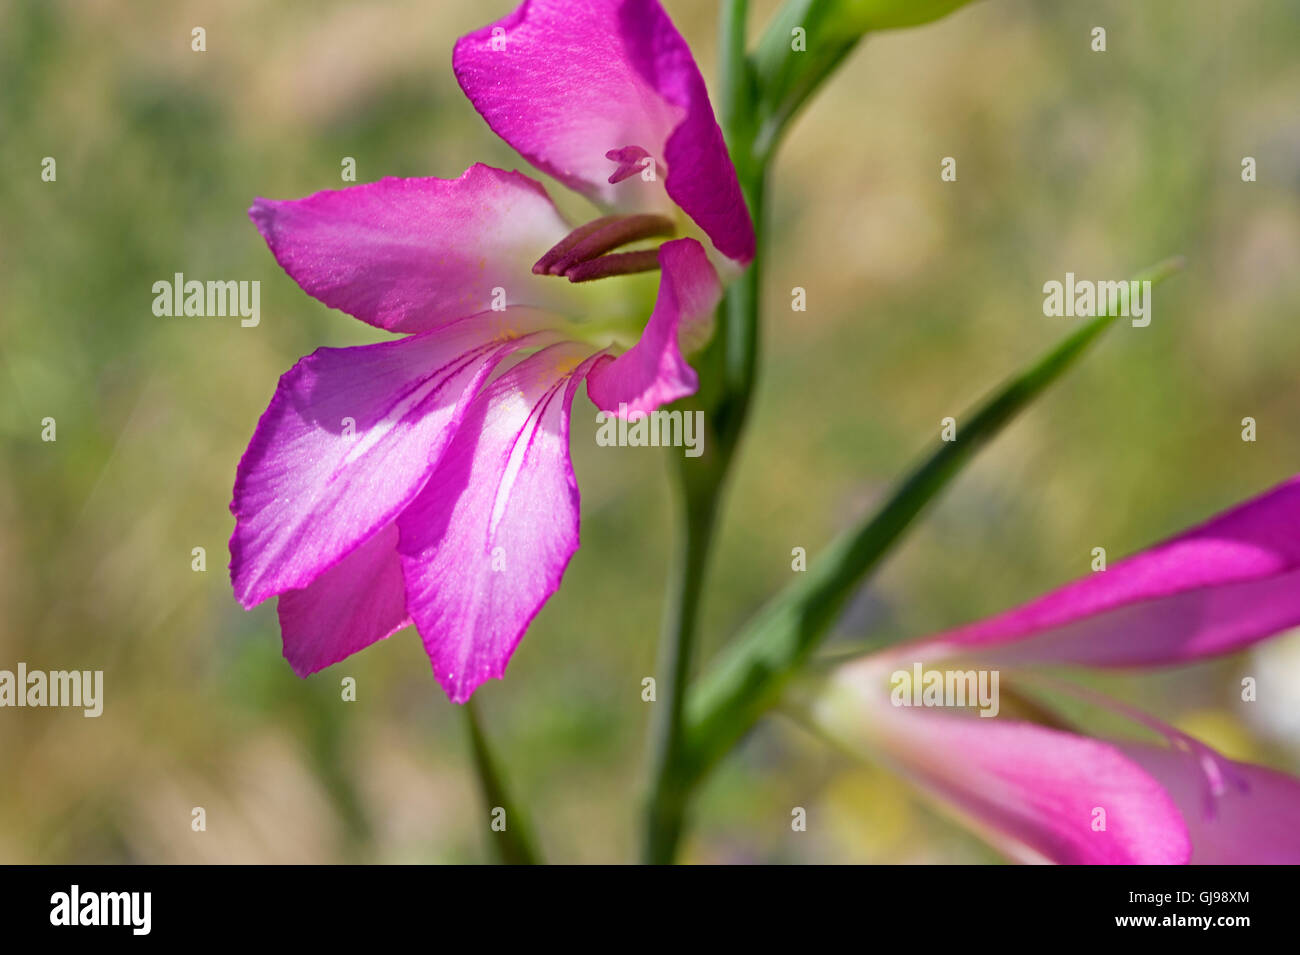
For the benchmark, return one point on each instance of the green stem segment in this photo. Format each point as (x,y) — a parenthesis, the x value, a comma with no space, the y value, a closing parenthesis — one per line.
(701,482)
(667,803)
(513,844)
(728,372)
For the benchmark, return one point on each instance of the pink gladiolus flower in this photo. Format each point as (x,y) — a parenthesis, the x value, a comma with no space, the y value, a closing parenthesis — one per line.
(401,482)
(1046,794)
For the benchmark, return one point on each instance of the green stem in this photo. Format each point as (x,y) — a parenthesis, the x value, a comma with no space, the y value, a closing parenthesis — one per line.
(667,803)
(514,844)
(736,85)
(733,357)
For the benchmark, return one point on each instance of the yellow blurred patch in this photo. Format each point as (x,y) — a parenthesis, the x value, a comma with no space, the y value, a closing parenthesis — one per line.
(1222,731)
(872,815)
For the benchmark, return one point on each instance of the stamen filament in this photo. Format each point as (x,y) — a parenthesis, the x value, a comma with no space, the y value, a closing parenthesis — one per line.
(591,241)
(561,248)
(620,263)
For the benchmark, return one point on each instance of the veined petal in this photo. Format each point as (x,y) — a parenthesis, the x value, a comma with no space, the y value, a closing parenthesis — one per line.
(488,538)
(359,600)
(1252,817)
(572,83)
(1236,813)
(1210,590)
(1032,791)
(411,254)
(349,438)
(653,372)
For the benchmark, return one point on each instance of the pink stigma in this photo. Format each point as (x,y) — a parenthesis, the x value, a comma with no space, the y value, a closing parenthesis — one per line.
(630,161)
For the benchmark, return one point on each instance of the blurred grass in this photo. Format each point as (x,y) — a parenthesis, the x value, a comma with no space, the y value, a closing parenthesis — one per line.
(921,294)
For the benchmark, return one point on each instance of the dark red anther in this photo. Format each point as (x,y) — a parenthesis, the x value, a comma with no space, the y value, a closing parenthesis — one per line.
(620,263)
(543,265)
(588,244)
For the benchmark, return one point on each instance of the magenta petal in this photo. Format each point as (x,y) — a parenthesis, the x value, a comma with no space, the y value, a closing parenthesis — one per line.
(653,372)
(1041,788)
(1251,817)
(348,440)
(411,254)
(566,84)
(1032,791)
(701,178)
(1213,589)
(359,600)
(487,540)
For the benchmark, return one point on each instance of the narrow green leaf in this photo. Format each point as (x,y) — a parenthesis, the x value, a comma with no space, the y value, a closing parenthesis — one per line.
(736,90)
(860,16)
(756,666)
(514,844)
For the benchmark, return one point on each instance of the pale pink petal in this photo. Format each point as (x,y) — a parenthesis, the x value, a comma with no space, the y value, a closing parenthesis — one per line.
(653,372)
(1239,814)
(359,600)
(1211,590)
(570,83)
(1032,791)
(487,540)
(411,254)
(348,440)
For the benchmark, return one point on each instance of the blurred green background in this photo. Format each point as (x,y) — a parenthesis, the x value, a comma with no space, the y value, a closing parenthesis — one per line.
(922,296)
